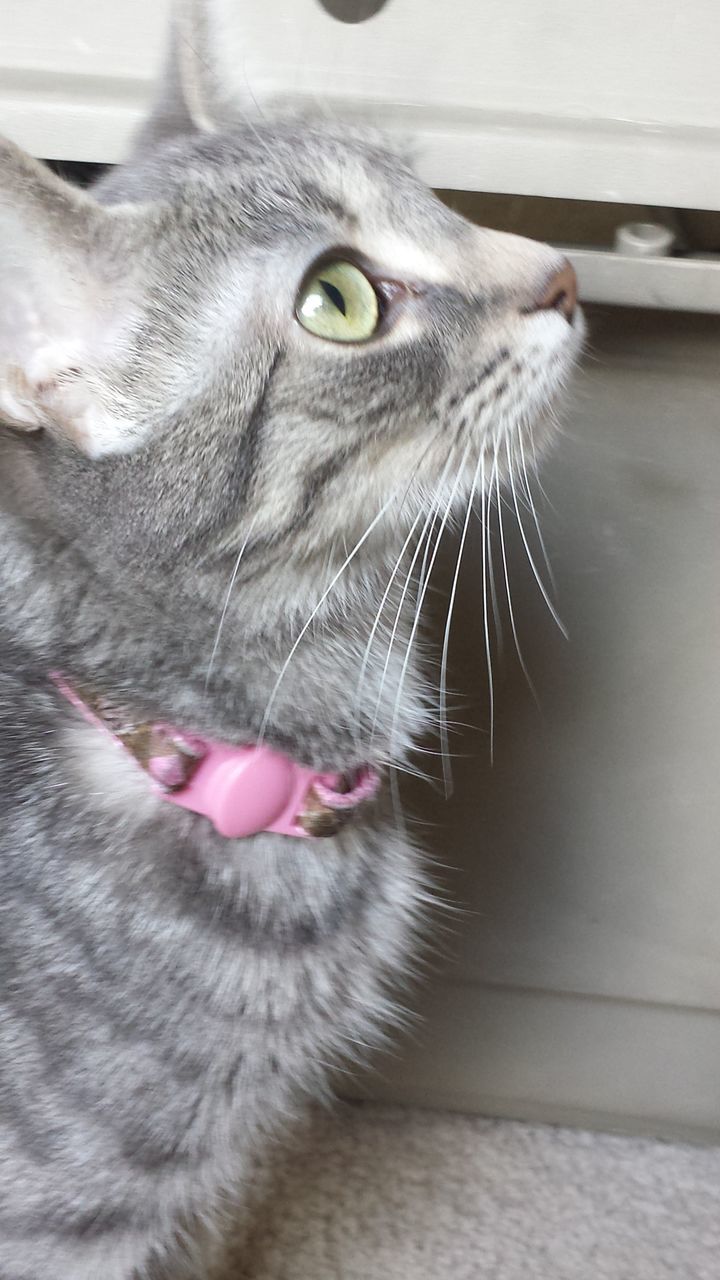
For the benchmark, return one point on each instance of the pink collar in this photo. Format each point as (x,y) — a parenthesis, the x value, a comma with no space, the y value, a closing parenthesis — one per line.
(242,790)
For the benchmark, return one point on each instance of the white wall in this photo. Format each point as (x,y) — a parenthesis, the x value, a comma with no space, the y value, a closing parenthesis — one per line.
(583,980)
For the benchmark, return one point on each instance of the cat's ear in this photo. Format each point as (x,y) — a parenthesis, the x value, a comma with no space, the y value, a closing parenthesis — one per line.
(58,308)
(203,84)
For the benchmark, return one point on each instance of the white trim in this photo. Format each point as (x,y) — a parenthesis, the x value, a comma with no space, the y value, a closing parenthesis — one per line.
(673,284)
(562,1059)
(82,117)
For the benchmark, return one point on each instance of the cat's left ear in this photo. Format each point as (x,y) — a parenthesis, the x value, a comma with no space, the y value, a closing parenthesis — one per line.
(60,308)
(203,86)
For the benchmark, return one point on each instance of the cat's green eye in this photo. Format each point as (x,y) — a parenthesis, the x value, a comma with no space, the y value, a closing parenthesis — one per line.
(339,303)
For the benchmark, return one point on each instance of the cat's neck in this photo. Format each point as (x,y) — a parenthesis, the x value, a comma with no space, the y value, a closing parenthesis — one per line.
(313,679)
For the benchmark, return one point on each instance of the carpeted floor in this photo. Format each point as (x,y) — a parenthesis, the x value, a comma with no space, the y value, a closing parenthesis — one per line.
(388,1194)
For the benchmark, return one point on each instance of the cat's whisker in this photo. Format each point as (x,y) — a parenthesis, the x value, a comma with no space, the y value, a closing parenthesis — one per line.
(426,554)
(226,605)
(429,520)
(397,618)
(536,461)
(421,513)
(541,585)
(533,512)
(376,623)
(497,620)
(515,470)
(419,604)
(506,576)
(308,623)
(412,771)
(396,799)
(444,743)
(423,567)
(486,618)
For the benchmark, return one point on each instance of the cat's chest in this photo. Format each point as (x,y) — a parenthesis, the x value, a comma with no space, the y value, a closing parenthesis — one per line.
(181,986)
(202,992)
(263,908)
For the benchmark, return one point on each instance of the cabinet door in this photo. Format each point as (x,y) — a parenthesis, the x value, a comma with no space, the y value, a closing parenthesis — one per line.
(611,101)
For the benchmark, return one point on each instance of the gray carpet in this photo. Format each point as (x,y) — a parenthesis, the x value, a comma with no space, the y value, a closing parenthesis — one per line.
(387,1194)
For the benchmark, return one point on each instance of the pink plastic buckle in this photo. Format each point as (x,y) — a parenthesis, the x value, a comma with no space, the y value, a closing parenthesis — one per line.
(245,790)
(242,790)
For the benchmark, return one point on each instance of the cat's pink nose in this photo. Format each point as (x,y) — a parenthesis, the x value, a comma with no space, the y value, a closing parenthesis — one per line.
(560,293)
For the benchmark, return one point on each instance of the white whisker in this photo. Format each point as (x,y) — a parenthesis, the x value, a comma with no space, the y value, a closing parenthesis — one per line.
(426,554)
(444,743)
(486,619)
(225,608)
(506,575)
(533,512)
(429,519)
(420,601)
(303,632)
(536,462)
(378,615)
(397,801)
(497,620)
(541,585)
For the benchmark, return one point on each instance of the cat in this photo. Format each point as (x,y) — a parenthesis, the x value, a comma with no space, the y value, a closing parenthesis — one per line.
(244,381)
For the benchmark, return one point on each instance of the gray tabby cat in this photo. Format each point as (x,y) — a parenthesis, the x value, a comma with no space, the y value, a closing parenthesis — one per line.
(261,355)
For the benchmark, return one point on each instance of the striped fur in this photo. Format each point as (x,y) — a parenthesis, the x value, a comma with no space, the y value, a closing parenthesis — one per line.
(167,996)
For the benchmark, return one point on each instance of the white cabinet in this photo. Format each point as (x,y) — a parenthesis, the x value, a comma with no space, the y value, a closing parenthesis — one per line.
(603,101)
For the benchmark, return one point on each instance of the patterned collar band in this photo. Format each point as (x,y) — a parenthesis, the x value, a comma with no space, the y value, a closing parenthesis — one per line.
(242,790)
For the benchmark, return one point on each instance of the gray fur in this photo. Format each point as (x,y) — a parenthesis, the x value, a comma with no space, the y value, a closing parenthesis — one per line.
(167,995)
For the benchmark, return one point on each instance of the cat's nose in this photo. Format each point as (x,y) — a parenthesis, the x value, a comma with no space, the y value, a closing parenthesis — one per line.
(559,293)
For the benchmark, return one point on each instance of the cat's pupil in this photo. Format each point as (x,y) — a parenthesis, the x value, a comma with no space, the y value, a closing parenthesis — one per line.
(334,295)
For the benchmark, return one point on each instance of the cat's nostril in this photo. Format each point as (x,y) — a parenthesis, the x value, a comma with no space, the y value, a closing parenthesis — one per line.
(560,293)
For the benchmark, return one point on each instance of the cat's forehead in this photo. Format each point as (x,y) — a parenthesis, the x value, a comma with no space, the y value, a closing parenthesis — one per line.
(393,216)
(278,181)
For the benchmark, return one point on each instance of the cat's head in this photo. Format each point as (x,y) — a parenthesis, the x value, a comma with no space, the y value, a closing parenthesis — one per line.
(262,333)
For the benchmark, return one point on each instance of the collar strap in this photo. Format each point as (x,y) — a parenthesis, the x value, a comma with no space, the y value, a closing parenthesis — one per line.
(242,790)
